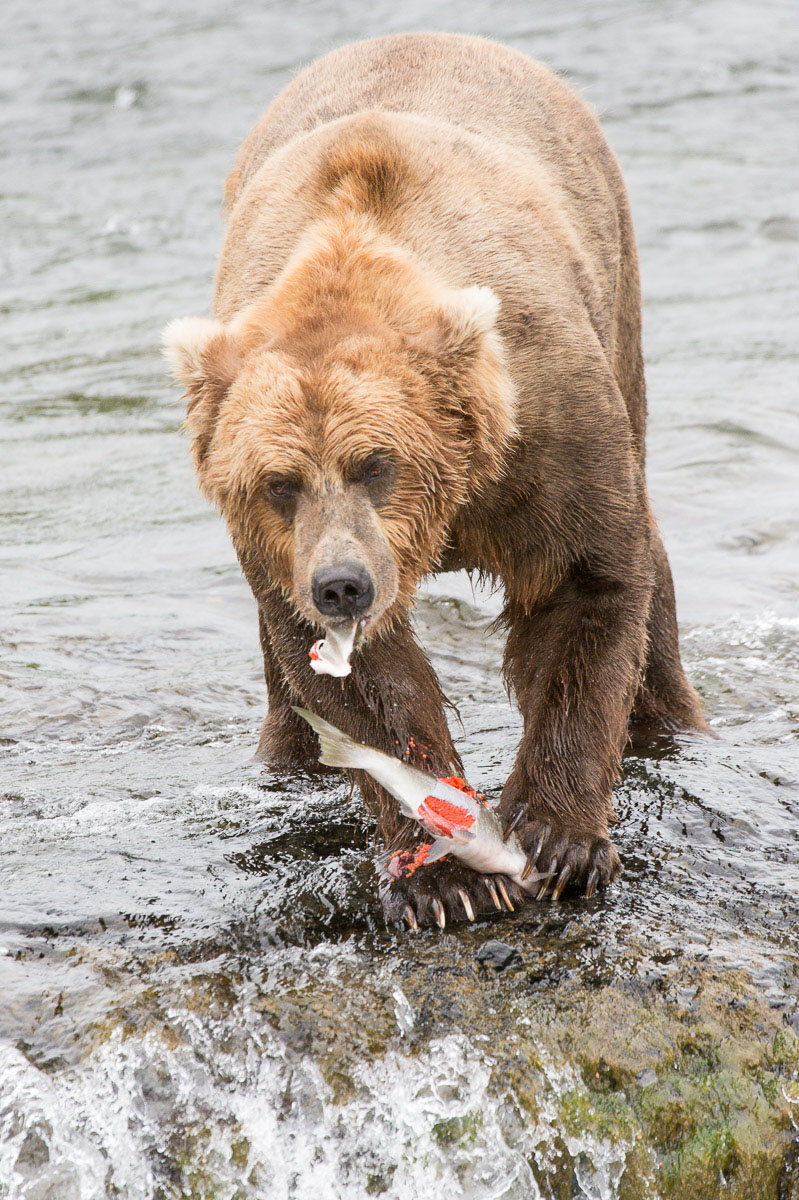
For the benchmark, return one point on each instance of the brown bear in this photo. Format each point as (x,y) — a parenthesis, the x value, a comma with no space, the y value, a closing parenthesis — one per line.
(426,355)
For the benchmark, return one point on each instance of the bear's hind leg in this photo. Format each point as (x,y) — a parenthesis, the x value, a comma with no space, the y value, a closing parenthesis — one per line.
(665,701)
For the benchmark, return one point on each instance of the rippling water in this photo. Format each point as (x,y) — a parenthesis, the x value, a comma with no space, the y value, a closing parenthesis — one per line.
(198,995)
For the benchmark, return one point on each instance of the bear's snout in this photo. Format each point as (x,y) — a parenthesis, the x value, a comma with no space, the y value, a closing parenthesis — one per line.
(344,590)
(344,567)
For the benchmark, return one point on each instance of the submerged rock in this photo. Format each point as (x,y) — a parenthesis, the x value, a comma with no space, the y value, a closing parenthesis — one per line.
(497,955)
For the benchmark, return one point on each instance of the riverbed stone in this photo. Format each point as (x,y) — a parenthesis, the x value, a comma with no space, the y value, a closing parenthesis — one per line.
(497,955)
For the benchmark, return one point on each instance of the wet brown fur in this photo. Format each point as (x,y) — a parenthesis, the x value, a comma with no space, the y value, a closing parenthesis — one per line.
(383,192)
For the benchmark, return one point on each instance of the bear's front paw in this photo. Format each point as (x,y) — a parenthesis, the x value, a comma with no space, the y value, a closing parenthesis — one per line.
(583,861)
(446,891)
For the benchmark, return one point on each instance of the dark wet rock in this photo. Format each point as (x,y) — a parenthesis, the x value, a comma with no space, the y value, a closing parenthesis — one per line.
(788,1187)
(497,955)
(666,1100)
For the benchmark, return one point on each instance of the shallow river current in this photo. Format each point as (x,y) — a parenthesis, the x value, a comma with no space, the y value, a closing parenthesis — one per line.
(198,996)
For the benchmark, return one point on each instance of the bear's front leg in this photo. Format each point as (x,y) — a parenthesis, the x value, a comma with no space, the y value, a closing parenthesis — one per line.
(286,742)
(574,664)
(392,700)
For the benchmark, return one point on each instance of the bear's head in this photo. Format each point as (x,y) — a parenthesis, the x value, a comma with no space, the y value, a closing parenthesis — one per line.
(341,421)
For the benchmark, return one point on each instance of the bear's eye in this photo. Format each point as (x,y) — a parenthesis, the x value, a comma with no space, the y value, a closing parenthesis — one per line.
(377,474)
(374,467)
(281,489)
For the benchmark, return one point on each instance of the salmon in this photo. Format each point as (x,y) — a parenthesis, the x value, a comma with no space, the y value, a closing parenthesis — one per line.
(460,821)
(331,654)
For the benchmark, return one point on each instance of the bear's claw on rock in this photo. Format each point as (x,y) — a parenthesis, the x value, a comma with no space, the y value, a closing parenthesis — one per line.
(467,904)
(563,879)
(446,893)
(492,891)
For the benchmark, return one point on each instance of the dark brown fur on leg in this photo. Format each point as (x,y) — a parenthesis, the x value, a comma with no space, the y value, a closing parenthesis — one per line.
(392,700)
(286,742)
(574,664)
(665,701)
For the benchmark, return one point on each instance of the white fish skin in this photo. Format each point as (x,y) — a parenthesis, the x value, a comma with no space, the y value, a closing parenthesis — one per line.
(476,837)
(331,655)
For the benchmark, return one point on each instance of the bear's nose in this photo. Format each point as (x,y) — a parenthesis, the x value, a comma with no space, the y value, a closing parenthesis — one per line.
(345,590)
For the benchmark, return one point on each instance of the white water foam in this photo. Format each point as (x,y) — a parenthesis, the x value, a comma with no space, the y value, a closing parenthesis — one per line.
(258,1124)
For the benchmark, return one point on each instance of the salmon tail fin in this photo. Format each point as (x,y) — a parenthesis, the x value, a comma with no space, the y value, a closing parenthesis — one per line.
(338,750)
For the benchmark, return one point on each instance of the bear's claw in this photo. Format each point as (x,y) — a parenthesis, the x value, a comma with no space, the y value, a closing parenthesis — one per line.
(492,891)
(579,861)
(450,892)
(512,825)
(467,904)
(563,879)
(446,893)
(503,891)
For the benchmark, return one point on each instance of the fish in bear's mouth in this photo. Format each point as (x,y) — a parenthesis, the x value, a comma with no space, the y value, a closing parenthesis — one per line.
(331,654)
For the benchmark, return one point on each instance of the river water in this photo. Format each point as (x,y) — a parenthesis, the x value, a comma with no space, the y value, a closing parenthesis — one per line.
(197,994)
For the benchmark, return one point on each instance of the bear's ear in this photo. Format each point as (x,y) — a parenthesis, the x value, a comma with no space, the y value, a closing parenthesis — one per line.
(205,356)
(466,316)
(474,377)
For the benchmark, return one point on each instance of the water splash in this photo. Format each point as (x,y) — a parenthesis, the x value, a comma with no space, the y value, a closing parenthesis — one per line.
(143,1118)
